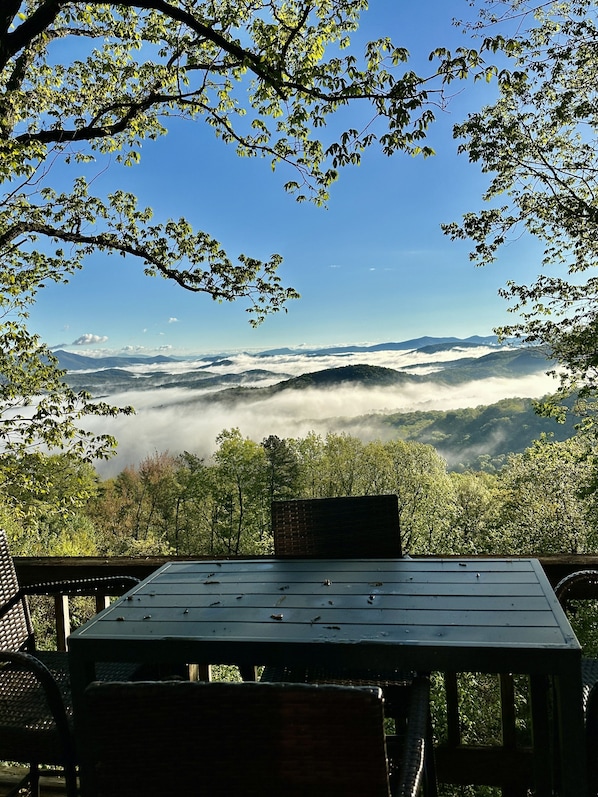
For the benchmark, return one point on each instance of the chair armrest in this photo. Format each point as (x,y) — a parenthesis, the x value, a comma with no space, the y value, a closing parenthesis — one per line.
(580,585)
(109,585)
(28,663)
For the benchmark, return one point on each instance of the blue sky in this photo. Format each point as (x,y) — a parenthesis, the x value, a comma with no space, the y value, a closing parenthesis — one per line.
(372,267)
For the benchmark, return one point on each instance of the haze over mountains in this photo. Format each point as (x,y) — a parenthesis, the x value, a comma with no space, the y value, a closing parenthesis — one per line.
(383,391)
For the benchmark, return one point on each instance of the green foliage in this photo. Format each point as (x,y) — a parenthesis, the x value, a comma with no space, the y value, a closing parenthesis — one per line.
(537,143)
(184,506)
(44,504)
(283,467)
(37,407)
(84,81)
(241,494)
(479,437)
(548,504)
(541,501)
(474,526)
(137,509)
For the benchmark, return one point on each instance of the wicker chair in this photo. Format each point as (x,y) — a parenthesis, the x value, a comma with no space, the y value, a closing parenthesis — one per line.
(248,739)
(35,700)
(583,585)
(353,527)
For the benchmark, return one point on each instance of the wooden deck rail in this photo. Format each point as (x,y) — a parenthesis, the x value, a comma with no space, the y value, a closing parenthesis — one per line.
(507,766)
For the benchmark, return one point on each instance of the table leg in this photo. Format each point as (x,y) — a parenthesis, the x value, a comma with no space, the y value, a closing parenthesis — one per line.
(570,730)
(82,673)
(542,736)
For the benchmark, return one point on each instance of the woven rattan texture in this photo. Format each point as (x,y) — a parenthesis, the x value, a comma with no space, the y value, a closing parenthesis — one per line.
(355,526)
(581,585)
(223,739)
(15,625)
(26,722)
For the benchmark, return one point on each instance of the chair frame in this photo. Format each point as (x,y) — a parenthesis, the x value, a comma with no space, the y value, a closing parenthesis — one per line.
(246,738)
(332,527)
(26,663)
(18,653)
(580,585)
(583,585)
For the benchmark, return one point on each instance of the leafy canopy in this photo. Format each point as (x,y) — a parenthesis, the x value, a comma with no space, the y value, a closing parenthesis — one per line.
(85,82)
(538,144)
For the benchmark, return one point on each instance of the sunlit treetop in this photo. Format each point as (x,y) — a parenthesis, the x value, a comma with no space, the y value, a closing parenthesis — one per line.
(538,145)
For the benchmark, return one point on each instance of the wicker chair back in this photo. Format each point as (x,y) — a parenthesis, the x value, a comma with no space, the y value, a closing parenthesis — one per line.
(222,739)
(351,527)
(16,632)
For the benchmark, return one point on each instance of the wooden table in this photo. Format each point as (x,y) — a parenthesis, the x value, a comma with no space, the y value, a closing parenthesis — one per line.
(466,615)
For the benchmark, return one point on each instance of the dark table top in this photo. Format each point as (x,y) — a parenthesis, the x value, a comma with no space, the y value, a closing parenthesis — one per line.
(471,614)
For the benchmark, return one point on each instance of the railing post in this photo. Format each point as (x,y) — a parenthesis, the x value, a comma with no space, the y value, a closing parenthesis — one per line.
(511,767)
(63,620)
(102,602)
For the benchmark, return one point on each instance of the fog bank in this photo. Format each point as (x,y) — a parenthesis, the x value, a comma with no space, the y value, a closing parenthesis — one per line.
(177,420)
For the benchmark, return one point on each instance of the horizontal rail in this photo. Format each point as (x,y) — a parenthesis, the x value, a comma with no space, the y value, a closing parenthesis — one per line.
(32,570)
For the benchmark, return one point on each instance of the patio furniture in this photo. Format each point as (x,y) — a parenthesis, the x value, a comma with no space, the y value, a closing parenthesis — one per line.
(35,700)
(478,615)
(249,739)
(349,526)
(365,526)
(579,586)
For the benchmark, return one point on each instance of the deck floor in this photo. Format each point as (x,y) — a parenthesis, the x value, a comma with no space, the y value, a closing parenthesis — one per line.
(11,775)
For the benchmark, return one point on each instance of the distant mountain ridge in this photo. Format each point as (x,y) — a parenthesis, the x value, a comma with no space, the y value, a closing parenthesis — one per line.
(71,361)
(476,437)
(364,375)
(248,384)
(340,389)
(419,344)
(500,364)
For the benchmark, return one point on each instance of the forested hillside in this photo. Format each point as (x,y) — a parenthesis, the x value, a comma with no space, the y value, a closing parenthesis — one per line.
(479,437)
(540,501)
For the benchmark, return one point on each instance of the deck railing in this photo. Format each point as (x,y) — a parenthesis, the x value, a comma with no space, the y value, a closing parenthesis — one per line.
(507,765)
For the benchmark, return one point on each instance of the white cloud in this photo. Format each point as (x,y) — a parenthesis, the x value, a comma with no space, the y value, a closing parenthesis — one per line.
(176,420)
(89,338)
(173,320)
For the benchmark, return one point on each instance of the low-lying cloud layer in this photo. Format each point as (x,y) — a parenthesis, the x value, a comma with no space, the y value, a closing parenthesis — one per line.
(176,420)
